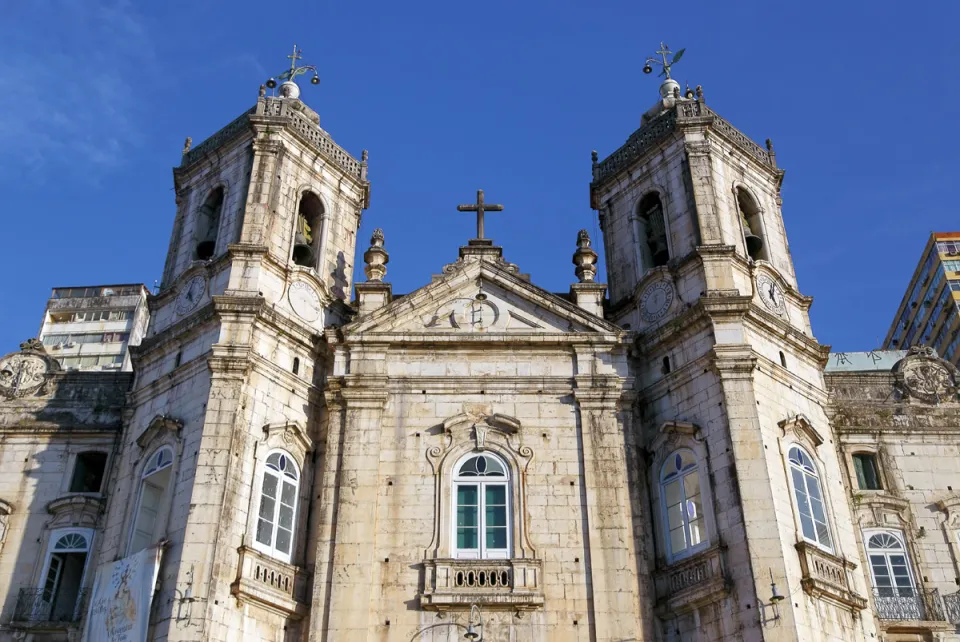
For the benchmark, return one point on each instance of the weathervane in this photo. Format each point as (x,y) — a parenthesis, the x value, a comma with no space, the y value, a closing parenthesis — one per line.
(294,71)
(664,51)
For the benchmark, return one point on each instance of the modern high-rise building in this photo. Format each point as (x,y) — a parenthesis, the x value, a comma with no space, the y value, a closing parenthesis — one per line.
(93,327)
(930,311)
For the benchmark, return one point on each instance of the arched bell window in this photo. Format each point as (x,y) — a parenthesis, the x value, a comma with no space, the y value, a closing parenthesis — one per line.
(208,225)
(481,508)
(306,237)
(752,225)
(654,249)
(276,518)
(682,504)
(809,498)
(148,523)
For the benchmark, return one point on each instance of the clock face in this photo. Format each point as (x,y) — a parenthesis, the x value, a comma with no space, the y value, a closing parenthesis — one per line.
(304,300)
(771,294)
(655,301)
(190,295)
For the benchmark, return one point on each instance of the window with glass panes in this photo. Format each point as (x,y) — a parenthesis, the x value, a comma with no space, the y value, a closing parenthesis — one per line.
(809,496)
(482,508)
(888,565)
(278,506)
(865,465)
(682,502)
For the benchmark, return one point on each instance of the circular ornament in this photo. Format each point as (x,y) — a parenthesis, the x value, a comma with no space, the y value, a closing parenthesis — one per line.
(655,301)
(190,295)
(928,379)
(22,374)
(477,314)
(304,300)
(771,294)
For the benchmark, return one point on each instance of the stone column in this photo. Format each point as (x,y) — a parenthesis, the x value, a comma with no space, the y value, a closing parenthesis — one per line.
(611,561)
(347,563)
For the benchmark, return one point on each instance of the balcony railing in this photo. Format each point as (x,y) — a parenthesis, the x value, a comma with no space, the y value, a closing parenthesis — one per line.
(37,605)
(909,604)
(507,583)
(826,576)
(271,583)
(691,583)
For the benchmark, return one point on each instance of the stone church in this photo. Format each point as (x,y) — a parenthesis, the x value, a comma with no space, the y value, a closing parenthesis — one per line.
(671,456)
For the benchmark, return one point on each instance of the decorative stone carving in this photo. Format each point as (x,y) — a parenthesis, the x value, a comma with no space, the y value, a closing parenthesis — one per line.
(800,426)
(655,301)
(26,372)
(466,314)
(290,435)
(376,258)
(924,376)
(585,258)
(691,583)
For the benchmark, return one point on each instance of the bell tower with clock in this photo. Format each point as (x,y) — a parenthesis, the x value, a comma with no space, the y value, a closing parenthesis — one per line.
(727,370)
(260,262)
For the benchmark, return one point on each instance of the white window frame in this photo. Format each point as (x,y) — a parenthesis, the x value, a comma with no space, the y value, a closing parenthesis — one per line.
(281,477)
(665,518)
(482,483)
(886,553)
(154,465)
(52,539)
(809,472)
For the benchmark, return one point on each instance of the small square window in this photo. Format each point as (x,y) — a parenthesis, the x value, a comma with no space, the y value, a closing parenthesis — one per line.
(868,475)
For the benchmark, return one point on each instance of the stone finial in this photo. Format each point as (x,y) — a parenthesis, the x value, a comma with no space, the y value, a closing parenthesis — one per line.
(187,144)
(585,258)
(676,92)
(364,156)
(770,145)
(263,91)
(699,91)
(35,345)
(594,157)
(376,258)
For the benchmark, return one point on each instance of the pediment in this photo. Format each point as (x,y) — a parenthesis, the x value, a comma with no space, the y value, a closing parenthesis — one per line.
(480,299)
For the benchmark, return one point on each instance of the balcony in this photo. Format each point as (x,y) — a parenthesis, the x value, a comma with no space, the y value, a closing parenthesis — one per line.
(270,583)
(511,584)
(909,605)
(691,583)
(37,609)
(826,576)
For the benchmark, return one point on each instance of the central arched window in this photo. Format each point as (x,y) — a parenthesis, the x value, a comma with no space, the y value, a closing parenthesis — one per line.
(653,232)
(809,496)
(752,225)
(208,224)
(482,508)
(278,506)
(682,502)
(306,237)
(888,566)
(147,525)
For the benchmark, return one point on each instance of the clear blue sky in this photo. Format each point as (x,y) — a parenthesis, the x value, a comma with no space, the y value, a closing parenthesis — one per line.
(860,98)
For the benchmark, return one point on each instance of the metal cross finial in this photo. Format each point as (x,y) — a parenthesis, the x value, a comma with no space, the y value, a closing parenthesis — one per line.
(480,207)
(294,57)
(664,51)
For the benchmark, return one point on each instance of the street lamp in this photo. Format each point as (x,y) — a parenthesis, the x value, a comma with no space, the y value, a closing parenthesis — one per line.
(471,632)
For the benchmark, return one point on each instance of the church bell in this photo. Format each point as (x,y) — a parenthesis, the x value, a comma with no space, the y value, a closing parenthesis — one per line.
(302,252)
(754,244)
(205,249)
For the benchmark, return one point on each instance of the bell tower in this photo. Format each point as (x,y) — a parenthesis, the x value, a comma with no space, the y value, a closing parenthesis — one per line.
(228,388)
(729,381)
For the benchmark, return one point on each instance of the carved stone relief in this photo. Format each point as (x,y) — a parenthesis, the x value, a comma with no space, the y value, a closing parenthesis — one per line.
(924,376)
(25,373)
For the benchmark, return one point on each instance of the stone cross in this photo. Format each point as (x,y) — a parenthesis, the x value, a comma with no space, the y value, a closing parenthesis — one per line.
(480,207)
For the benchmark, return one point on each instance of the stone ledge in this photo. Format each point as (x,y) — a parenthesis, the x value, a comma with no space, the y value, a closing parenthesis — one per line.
(270,583)
(691,583)
(825,576)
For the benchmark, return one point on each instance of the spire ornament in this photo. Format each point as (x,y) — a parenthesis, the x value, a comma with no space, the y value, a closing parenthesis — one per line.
(585,258)
(289,88)
(376,258)
(664,51)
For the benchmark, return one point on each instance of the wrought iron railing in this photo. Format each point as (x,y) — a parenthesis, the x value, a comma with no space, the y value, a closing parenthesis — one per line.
(951,607)
(37,605)
(909,604)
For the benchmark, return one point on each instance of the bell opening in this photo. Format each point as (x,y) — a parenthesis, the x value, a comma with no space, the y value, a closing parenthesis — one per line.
(303,255)
(205,250)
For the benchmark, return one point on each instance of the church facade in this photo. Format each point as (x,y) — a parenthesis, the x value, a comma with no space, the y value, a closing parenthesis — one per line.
(669,457)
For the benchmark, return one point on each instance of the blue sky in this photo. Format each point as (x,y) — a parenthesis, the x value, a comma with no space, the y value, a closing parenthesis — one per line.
(860,99)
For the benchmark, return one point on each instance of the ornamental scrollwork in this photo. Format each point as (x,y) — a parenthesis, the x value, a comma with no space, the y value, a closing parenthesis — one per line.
(924,376)
(26,372)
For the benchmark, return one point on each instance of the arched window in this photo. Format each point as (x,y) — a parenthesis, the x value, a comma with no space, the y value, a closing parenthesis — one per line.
(278,506)
(306,240)
(888,565)
(682,504)
(810,502)
(63,575)
(147,525)
(653,232)
(482,508)
(752,227)
(208,224)
(783,359)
